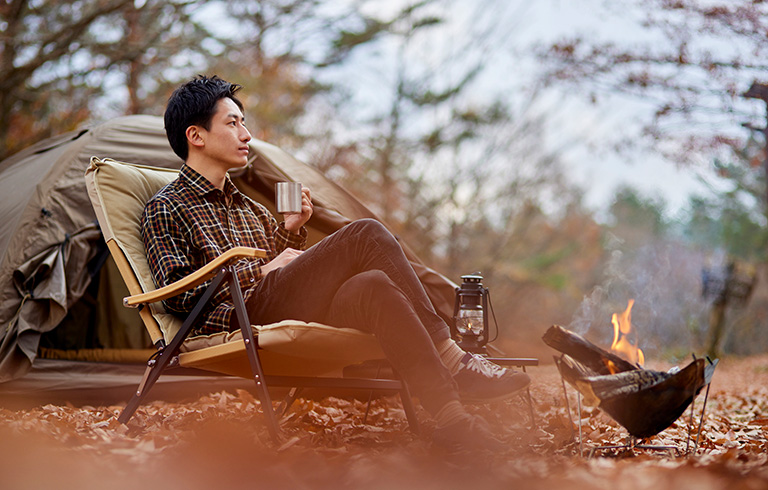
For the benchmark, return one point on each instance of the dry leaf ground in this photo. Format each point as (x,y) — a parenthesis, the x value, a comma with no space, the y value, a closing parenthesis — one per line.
(220,441)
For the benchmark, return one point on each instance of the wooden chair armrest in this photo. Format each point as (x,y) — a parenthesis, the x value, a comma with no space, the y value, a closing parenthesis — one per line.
(208,271)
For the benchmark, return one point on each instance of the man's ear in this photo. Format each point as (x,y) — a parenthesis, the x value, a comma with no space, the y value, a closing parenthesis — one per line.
(194,136)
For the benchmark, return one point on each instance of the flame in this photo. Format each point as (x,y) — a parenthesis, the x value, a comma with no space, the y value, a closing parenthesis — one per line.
(622,327)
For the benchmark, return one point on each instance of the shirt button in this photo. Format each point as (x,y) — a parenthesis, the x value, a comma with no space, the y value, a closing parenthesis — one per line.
(237,239)
(252,279)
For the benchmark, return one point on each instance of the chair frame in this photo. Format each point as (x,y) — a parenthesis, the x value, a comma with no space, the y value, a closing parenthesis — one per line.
(220,271)
(225,273)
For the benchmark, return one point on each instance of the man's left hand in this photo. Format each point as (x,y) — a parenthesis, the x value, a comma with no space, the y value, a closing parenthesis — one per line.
(294,221)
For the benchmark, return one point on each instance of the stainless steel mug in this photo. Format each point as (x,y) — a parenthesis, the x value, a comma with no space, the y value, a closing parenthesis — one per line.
(288,197)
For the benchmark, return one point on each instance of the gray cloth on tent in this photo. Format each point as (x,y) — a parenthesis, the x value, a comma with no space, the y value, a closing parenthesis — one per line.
(48,284)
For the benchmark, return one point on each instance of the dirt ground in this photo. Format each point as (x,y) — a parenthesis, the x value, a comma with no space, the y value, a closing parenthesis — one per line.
(220,441)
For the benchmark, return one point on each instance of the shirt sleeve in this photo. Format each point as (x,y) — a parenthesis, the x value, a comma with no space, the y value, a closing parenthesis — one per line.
(273,238)
(249,272)
(278,238)
(168,254)
(289,239)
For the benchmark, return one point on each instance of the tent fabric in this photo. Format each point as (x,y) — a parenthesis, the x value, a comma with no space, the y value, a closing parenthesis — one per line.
(136,356)
(49,235)
(106,383)
(51,247)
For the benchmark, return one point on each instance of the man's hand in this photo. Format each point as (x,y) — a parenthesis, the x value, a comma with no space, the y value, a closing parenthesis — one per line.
(284,258)
(294,222)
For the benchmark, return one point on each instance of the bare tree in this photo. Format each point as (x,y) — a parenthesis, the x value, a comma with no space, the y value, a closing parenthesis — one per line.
(38,37)
(158,38)
(695,64)
(58,58)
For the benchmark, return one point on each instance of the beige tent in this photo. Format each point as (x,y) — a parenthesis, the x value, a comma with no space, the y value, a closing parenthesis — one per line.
(60,295)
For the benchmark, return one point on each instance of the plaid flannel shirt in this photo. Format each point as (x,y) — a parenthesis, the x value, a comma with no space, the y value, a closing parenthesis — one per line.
(188,223)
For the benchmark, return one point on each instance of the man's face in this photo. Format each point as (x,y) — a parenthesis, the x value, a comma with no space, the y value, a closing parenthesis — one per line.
(226,141)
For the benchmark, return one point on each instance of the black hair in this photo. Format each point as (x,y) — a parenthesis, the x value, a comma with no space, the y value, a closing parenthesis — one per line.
(194,104)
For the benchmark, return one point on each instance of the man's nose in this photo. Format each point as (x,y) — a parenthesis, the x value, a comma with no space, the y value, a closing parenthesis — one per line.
(245,135)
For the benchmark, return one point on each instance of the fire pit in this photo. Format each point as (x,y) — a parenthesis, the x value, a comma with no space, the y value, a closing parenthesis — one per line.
(643,401)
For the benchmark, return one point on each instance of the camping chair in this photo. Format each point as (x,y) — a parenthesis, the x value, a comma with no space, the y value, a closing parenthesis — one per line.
(289,354)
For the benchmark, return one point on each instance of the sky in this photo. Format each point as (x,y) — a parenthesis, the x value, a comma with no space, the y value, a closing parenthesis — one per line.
(584,127)
(601,172)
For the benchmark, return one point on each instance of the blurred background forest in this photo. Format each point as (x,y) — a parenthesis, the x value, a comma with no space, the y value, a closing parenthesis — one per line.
(463,132)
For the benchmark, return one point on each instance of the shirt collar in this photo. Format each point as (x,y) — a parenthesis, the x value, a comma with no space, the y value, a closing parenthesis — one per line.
(203,186)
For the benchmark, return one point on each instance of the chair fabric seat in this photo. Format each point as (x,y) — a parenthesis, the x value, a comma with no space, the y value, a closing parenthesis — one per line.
(290,347)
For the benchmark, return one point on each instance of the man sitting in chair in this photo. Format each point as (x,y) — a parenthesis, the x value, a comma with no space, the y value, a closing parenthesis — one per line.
(358,277)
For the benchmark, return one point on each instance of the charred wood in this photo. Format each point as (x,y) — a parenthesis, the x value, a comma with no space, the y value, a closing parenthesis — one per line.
(592,357)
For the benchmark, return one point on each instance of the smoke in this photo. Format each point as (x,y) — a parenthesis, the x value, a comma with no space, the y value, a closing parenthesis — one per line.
(664,279)
(595,310)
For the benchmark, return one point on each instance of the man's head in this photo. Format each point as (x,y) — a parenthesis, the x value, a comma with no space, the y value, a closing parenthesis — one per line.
(194,104)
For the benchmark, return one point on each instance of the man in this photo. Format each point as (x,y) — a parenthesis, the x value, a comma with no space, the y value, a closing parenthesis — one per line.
(357,277)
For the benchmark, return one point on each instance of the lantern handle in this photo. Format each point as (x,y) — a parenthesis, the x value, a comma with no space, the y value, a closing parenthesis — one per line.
(493,313)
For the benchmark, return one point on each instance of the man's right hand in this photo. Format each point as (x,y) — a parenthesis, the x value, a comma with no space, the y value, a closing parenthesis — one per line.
(284,258)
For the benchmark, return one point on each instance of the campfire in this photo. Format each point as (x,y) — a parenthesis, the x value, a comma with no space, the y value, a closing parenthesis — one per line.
(622,330)
(643,401)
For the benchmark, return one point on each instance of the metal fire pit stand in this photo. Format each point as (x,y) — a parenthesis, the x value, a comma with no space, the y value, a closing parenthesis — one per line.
(633,441)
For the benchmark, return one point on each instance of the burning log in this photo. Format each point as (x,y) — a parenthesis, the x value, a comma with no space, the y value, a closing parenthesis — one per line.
(592,357)
(643,401)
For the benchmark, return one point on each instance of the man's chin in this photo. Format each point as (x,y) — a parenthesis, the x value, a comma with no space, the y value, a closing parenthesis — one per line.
(239,168)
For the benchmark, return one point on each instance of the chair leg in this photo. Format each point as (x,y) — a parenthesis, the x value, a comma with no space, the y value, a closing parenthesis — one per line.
(163,358)
(408,408)
(253,356)
(410,411)
(155,367)
(370,397)
(285,405)
(405,399)
(262,392)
